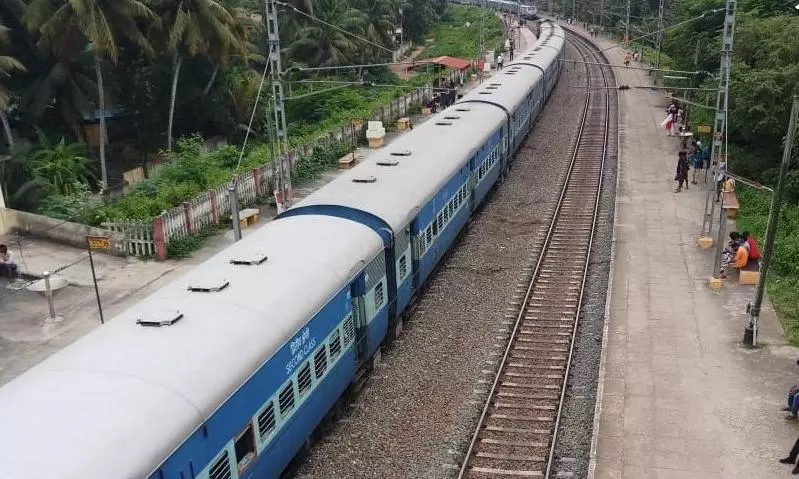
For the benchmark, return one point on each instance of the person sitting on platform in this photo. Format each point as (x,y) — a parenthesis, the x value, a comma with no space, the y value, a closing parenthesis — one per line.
(8,268)
(793,402)
(741,256)
(754,252)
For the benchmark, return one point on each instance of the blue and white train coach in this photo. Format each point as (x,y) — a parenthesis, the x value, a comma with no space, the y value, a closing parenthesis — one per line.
(226,372)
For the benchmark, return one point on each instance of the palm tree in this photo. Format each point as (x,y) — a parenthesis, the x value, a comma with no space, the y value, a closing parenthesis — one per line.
(192,28)
(244,27)
(8,65)
(316,44)
(379,23)
(102,23)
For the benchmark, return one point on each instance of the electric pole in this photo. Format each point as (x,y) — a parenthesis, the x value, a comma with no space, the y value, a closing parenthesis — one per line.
(627,24)
(281,172)
(719,148)
(601,14)
(771,230)
(660,32)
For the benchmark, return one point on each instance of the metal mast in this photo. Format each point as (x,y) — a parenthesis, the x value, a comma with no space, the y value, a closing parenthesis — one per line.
(281,171)
(627,24)
(660,32)
(720,125)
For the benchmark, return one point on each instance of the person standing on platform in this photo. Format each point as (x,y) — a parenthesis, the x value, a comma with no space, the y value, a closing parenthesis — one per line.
(499,61)
(682,171)
(792,457)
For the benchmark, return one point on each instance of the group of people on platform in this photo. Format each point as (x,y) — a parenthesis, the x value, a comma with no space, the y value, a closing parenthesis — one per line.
(741,251)
(446,96)
(694,157)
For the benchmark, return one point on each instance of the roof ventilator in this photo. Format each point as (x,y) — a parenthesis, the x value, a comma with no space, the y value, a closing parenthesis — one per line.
(452,117)
(158,319)
(364,179)
(462,109)
(485,92)
(387,162)
(253,259)
(210,286)
(495,84)
(444,123)
(401,153)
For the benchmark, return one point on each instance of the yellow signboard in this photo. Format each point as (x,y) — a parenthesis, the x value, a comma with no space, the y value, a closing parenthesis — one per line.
(99,242)
(704,129)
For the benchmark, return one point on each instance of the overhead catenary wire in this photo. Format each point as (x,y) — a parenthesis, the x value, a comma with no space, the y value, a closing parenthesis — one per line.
(346,32)
(252,116)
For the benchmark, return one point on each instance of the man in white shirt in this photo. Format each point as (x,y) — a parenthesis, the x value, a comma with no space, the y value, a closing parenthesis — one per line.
(8,268)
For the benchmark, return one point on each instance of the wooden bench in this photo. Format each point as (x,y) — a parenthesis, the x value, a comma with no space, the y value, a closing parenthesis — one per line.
(248,217)
(347,161)
(403,123)
(750,274)
(730,204)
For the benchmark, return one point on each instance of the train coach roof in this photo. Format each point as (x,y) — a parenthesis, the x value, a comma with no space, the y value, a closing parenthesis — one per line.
(117,402)
(436,150)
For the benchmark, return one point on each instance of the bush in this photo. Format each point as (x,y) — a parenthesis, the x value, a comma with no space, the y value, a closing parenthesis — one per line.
(78,207)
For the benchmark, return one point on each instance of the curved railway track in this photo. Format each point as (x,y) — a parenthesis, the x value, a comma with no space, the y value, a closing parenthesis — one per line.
(517,431)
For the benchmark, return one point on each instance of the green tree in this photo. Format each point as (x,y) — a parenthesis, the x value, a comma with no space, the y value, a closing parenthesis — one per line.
(8,66)
(192,28)
(317,44)
(102,23)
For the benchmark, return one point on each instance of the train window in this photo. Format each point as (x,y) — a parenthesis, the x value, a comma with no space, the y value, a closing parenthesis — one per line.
(320,362)
(304,379)
(287,399)
(335,345)
(245,449)
(266,421)
(221,468)
(379,295)
(349,329)
(446,213)
(403,267)
(433,230)
(430,233)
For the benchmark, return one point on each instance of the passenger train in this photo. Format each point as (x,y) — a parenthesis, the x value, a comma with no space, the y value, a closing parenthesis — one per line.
(226,372)
(528,12)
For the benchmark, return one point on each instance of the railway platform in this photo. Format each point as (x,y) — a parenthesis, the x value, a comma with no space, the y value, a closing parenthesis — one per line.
(679,397)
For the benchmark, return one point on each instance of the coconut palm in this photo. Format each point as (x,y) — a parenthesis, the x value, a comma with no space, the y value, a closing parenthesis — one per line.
(101,23)
(244,28)
(192,28)
(8,66)
(316,44)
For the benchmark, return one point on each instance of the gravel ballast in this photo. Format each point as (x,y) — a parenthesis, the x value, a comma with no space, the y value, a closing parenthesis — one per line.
(415,416)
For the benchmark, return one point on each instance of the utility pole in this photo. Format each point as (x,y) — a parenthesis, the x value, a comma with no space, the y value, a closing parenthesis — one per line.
(660,32)
(281,172)
(601,14)
(627,24)
(750,333)
(719,149)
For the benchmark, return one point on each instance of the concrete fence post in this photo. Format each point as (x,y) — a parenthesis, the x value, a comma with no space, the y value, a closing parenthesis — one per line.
(214,206)
(187,217)
(159,237)
(256,180)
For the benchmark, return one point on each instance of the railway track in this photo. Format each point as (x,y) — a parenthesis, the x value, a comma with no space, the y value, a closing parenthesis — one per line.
(517,431)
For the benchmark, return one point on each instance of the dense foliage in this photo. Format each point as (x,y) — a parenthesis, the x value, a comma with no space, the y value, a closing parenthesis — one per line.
(156,70)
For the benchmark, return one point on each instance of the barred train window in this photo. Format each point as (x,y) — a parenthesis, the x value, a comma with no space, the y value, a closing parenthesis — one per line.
(379,295)
(335,345)
(266,421)
(349,330)
(304,379)
(403,267)
(320,362)
(287,399)
(221,468)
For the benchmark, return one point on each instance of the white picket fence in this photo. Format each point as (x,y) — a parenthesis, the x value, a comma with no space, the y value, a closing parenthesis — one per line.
(151,238)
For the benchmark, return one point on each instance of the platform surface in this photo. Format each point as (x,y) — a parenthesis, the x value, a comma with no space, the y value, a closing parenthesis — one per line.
(680,398)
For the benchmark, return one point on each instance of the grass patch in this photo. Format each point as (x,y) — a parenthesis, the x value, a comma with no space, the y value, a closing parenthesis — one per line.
(782,283)
(458,34)
(183,248)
